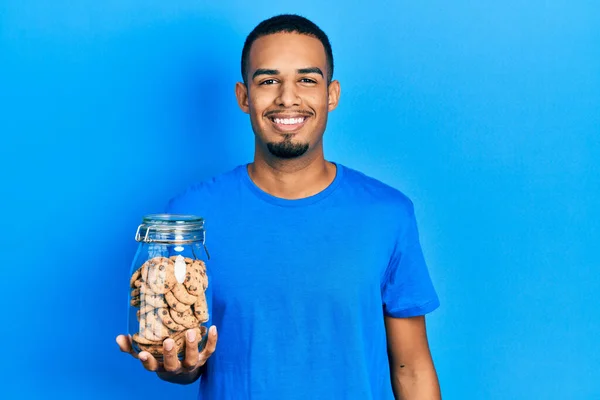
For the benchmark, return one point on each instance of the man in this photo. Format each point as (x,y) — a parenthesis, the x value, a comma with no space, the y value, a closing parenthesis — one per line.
(319,283)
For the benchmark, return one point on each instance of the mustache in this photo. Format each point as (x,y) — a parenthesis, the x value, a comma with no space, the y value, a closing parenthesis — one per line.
(299,112)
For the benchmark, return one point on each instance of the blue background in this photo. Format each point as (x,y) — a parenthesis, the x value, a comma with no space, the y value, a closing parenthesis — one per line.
(487,114)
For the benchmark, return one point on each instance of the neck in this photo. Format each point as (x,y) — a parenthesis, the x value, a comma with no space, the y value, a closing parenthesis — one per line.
(292,179)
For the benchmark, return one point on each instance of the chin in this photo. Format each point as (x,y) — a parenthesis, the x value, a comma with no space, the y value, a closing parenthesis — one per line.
(287,149)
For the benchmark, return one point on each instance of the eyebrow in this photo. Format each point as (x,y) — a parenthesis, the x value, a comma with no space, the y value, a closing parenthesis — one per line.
(265,71)
(311,70)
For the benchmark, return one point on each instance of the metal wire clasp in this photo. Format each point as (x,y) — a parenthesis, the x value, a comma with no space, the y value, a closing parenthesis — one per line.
(138,238)
(137,234)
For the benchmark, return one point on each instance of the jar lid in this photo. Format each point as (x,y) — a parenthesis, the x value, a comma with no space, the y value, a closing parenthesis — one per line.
(170,229)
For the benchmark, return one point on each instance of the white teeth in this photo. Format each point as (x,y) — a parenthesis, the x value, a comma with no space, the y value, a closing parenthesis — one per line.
(288,121)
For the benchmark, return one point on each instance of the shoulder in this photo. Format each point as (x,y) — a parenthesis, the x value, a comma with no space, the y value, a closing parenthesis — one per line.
(370,191)
(206,191)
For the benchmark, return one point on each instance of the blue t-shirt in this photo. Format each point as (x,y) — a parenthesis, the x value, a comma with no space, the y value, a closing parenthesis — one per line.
(300,287)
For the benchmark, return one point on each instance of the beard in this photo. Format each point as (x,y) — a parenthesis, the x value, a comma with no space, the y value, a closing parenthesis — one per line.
(286,148)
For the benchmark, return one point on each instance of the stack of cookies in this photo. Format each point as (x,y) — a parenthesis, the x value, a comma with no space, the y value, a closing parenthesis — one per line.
(170,296)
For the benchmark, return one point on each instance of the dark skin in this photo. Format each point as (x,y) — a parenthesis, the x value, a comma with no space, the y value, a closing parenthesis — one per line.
(288,99)
(412,371)
(287,78)
(172,369)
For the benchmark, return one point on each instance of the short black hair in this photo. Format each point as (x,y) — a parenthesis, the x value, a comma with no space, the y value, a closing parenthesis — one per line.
(289,23)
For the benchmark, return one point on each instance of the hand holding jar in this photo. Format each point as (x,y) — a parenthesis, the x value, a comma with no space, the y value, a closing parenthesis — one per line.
(172,369)
(168,298)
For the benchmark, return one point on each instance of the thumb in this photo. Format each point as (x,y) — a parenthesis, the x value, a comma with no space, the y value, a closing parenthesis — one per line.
(124,343)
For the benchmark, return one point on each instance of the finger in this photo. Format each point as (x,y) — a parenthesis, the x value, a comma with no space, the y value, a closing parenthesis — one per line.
(171,362)
(148,361)
(191,349)
(211,345)
(124,343)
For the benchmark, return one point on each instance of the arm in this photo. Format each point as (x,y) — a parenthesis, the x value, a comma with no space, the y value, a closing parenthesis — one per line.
(412,371)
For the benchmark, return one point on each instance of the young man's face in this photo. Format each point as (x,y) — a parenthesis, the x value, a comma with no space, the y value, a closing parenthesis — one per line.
(287,95)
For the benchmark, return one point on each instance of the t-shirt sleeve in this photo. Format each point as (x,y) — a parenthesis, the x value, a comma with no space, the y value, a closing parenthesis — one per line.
(173,205)
(185,202)
(407,289)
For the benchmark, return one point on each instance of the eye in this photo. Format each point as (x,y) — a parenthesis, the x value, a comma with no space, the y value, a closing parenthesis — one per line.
(268,82)
(307,80)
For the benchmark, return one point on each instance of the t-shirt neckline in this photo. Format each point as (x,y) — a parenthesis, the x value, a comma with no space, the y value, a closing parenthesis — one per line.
(339,172)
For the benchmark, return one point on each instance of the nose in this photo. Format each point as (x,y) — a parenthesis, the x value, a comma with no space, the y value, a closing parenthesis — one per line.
(288,95)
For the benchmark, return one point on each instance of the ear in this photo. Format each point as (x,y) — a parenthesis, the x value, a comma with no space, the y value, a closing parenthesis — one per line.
(241,93)
(334,95)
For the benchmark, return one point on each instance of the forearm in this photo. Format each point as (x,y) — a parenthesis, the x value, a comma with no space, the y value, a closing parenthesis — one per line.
(415,383)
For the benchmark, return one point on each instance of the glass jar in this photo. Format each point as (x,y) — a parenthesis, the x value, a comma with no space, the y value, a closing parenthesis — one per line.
(168,291)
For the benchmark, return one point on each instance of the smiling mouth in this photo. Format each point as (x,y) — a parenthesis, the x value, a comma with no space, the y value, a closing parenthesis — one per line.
(288,124)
